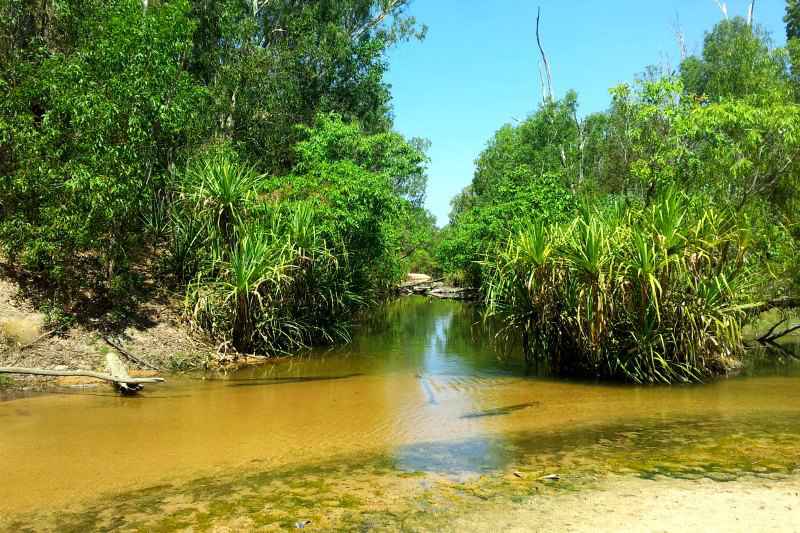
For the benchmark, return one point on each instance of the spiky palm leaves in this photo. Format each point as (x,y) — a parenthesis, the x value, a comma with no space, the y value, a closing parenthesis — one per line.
(264,280)
(280,290)
(645,294)
(222,188)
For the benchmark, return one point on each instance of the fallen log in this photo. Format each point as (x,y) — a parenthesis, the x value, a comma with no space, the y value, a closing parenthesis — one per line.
(117,369)
(412,284)
(79,373)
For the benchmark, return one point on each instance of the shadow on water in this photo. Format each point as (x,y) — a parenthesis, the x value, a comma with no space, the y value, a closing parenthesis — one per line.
(259,382)
(500,411)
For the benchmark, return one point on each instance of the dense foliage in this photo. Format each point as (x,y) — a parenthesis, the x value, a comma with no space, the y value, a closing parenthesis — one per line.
(650,294)
(644,284)
(243,150)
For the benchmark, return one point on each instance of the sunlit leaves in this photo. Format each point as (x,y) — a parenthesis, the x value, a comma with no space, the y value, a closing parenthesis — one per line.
(647,297)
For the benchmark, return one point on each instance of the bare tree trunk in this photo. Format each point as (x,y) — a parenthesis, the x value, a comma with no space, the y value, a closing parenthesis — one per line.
(548,96)
(681,38)
(751,13)
(723,7)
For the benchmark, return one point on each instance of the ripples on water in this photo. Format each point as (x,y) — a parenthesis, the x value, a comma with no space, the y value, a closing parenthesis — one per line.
(421,390)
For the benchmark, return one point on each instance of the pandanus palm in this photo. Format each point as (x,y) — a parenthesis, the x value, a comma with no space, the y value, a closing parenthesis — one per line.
(223,188)
(645,294)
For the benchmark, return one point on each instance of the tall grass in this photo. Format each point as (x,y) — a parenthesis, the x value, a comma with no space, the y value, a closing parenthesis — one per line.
(280,289)
(643,294)
(261,277)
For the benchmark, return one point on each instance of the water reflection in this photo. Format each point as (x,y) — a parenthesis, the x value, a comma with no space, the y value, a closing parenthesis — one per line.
(420,385)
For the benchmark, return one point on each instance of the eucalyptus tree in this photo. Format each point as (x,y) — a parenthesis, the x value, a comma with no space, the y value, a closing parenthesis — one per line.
(737,60)
(103,103)
(273,65)
(792,19)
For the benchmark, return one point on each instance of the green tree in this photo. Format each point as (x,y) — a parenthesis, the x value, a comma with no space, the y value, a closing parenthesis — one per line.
(402,163)
(792,19)
(101,102)
(546,142)
(478,230)
(97,107)
(737,61)
(273,65)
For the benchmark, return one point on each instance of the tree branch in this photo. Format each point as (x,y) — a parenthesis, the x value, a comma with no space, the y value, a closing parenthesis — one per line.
(548,96)
(130,356)
(787,302)
(769,338)
(385,12)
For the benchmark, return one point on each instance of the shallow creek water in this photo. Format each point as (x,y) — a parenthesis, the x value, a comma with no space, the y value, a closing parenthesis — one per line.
(420,415)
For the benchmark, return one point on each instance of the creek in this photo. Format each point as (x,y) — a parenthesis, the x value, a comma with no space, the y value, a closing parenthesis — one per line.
(422,407)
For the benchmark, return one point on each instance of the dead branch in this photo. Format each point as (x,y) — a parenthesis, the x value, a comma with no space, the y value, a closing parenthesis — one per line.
(42,336)
(770,337)
(751,13)
(680,37)
(723,7)
(127,354)
(548,96)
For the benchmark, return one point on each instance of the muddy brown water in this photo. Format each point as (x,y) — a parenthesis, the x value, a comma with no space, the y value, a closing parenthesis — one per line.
(420,395)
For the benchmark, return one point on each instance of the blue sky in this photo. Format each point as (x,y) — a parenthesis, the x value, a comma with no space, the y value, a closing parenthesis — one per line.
(477,68)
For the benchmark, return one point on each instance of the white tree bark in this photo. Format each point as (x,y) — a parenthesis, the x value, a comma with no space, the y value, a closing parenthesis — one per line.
(548,95)
(723,7)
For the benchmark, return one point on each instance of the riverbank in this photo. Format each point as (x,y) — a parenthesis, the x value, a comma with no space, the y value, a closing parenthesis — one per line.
(155,334)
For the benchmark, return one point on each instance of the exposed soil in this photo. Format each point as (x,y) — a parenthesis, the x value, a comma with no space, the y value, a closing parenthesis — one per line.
(155,334)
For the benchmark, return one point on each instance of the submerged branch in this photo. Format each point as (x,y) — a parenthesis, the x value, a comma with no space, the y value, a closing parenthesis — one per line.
(770,338)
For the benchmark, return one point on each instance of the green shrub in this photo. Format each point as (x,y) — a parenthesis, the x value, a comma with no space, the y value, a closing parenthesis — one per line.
(478,230)
(645,294)
(281,263)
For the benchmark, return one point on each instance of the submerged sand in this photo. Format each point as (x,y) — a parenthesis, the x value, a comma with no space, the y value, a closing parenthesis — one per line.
(623,504)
